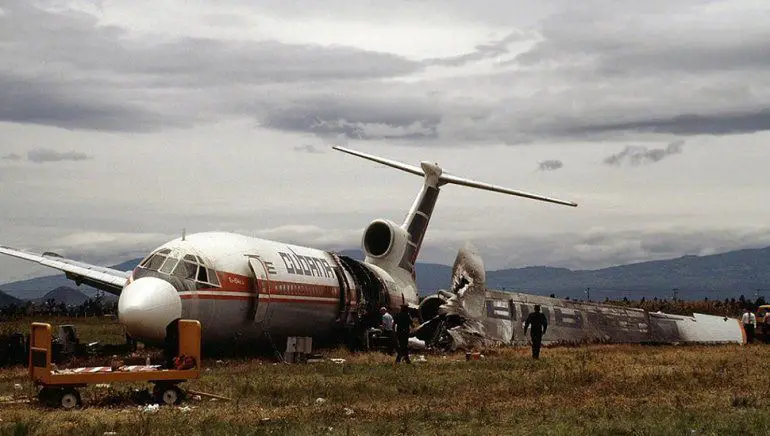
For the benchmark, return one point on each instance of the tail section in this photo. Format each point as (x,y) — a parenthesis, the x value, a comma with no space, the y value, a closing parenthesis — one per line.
(395,248)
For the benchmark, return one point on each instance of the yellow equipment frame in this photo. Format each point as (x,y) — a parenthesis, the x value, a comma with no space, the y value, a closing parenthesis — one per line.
(54,381)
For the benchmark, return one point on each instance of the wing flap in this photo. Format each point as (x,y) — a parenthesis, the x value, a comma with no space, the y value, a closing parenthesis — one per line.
(106,279)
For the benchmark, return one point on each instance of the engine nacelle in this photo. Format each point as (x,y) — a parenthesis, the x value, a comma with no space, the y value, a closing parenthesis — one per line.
(384,242)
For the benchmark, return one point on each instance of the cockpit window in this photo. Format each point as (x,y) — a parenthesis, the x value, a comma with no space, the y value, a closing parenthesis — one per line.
(189,267)
(155,262)
(168,265)
(202,276)
(186,270)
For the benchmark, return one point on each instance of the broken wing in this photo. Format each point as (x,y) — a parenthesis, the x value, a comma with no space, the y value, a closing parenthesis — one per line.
(106,279)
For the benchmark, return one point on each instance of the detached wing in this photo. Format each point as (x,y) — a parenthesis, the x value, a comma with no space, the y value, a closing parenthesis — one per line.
(106,279)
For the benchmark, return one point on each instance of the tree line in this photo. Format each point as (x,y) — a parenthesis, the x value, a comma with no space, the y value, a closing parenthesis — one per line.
(96,306)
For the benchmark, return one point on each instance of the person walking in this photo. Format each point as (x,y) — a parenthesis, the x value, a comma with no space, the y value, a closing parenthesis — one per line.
(539,324)
(403,328)
(749,321)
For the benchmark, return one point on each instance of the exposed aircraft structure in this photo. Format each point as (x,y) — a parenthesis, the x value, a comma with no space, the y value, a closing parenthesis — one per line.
(471,316)
(243,289)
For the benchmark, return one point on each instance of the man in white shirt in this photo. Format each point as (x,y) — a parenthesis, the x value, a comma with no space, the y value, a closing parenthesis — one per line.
(387,329)
(749,321)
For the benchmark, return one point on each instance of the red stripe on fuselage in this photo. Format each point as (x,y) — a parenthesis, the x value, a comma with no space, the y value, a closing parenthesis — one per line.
(271,299)
(271,290)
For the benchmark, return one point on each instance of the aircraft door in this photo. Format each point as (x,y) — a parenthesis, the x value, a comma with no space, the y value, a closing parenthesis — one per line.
(260,302)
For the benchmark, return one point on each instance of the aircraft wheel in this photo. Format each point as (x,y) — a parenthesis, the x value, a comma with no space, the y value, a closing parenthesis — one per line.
(70,398)
(169,395)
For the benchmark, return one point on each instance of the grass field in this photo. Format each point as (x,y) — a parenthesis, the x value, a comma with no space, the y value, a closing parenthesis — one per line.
(103,329)
(601,389)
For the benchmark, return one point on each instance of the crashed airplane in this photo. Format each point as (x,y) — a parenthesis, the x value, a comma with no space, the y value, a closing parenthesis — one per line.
(470,316)
(244,290)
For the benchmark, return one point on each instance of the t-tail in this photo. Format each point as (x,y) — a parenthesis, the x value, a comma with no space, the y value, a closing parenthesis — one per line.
(395,248)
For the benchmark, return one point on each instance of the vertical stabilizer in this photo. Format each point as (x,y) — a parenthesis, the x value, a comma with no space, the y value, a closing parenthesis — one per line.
(395,248)
(417,219)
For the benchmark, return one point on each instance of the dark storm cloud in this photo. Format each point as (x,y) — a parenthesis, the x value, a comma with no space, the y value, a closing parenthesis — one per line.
(70,72)
(42,155)
(74,104)
(593,72)
(550,165)
(635,156)
(691,124)
(482,51)
(679,36)
(307,148)
(673,67)
(362,117)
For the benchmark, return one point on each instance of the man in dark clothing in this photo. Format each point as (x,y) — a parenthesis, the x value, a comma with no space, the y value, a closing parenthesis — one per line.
(539,324)
(403,327)
(171,343)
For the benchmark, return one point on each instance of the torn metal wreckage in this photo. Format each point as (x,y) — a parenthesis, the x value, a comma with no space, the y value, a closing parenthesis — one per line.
(470,316)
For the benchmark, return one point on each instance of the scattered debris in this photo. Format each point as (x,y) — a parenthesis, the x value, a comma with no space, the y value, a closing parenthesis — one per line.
(18,387)
(337,360)
(150,408)
(320,400)
(206,394)
(184,408)
(469,316)
(110,433)
(102,385)
(416,344)
(420,358)
(349,411)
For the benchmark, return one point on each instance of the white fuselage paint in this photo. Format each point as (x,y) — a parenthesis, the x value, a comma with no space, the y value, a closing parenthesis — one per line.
(264,286)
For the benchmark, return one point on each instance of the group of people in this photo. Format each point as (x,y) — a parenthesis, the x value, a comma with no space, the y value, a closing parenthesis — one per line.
(396,330)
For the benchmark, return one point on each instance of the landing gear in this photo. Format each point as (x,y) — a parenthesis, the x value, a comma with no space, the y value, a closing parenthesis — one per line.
(167,394)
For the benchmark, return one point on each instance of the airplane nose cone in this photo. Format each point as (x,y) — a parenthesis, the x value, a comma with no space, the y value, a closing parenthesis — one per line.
(146,306)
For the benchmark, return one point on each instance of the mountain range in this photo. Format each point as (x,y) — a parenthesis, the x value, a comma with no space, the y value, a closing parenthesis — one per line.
(725,275)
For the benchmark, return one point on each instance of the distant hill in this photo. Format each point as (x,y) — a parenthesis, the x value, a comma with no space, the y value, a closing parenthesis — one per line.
(715,276)
(66,295)
(7,300)
(695,277)
(724,275)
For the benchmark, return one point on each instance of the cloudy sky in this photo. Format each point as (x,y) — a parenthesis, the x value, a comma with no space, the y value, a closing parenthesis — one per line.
(123,122)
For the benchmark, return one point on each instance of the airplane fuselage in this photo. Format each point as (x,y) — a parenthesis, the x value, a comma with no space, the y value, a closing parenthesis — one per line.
(241,287)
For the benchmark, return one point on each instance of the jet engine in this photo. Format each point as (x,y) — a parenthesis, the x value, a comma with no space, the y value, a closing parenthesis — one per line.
(384,241)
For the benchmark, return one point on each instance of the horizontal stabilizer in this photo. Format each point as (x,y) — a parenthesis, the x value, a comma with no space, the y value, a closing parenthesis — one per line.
(448,178)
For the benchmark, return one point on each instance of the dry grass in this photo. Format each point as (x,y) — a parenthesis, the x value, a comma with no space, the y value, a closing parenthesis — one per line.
(104,329)
(600,389)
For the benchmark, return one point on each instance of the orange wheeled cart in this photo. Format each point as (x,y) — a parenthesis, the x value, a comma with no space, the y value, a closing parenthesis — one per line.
(59,387)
